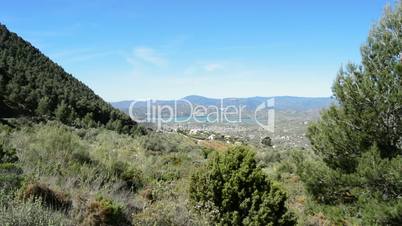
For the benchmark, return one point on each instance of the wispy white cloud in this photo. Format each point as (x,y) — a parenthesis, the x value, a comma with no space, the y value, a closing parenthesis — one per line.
(79,55)
(205,68)
(213,67)
(148,55)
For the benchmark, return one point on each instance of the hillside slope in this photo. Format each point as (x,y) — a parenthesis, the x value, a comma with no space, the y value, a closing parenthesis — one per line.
(33,85)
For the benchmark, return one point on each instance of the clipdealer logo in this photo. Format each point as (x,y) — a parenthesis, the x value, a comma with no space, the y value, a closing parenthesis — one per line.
(159,114)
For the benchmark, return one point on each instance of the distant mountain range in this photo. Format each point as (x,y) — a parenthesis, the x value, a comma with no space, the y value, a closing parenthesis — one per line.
(286,103)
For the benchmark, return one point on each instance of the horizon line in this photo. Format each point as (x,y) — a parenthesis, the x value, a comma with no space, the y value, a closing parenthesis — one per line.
(217,98)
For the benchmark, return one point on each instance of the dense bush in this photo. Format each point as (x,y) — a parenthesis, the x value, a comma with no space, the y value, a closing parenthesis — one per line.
(104,211)
(15,211)
(158,144)
(52,199)
(82,157)
(7,154)
(267,141)
(10,173)
(169,212)
(10,176)
(129,174)
(375,184)
(237,191)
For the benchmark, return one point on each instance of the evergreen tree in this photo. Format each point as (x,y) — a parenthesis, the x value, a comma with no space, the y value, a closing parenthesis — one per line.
(236,189)
(370,101)
(359,140)
(43,106)
(62,112)
(88,120)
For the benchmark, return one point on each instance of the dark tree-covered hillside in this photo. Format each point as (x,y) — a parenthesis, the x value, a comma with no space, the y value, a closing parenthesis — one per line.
(33,85)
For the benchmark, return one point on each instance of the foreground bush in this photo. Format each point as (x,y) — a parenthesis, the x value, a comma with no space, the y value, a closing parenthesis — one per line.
(103,211)
(371,194)
(237,192)
(10,173)
(18,212)
(7,154)
(10,176)
(158,144)
(131,176)
(50,198)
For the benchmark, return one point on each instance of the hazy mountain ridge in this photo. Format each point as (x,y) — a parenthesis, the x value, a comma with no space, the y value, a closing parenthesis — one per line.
(287,103)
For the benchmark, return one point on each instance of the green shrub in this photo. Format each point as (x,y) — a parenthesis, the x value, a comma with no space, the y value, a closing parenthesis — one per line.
(30,212)
(103,211)
(50,198)
(82,157)
(237,191)
(267,157)
(7,154)
(326,185)
(10,173)
(51,149)
(169,212)
(170,167)
(267,141)
(371,194)
(206,152)
(129,174)
(10,176)
(380,213)
(158,144)
(380,175)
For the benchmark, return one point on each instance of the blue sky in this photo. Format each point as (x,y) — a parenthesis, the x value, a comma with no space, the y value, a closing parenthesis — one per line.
(145,49)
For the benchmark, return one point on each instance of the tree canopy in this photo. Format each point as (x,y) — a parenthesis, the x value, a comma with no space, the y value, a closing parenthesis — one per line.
(359,141)
(370,101)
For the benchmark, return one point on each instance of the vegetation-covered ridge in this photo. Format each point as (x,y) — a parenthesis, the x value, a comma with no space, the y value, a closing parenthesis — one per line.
(33,85)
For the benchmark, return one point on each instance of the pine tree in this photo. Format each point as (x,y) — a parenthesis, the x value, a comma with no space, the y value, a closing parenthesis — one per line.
(62,112)
(360,138)
(43,106)
(370,101)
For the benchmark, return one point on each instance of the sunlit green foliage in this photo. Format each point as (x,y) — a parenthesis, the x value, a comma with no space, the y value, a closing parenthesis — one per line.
(370,101)
(359,141)
(103,211)
(237,191)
